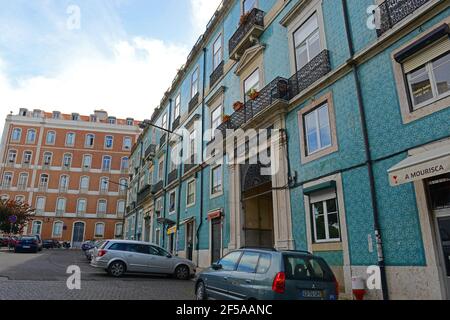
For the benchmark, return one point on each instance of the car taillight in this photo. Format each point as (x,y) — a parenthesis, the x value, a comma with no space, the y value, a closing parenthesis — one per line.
(35,242)
(279,283)
(336,287)
(101,253)
(19,242)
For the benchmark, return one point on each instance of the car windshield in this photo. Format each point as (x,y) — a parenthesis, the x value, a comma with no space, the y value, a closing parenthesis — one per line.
(27,238)
(306,268)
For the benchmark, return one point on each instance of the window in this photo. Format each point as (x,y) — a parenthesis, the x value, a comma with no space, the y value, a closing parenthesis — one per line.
(120,207)
(51,137)
(99,230)
(161,169)
(75,116)
(130,122)
(64,183)
(251,83)
(325,218)
(318,131)
(216,180)
(157,236)
(87,161)
(23,181)
(81,206)
(36,227)
(47,159)
(123,184)
(216,119)
(43,182)
(248,262)
(40,204)
(70,139)
(192,142)
(176,112)
(101,206)
(172,202)
(106,163)
(142,182)
(7,180)
(4,197)
(31,136)
(124,165)
(112,120)
(164,121)
(127,143)
(118,230)
(307,269)
(27,157)
(217,52)
(84,184)
(12,156)
(191,186)
(93,118)
(104,185)
(158,206)
(20,199)
(307,42)
(56,115)
(248,5)
(89,143)
(229,262)
(265,260)
(16,135)
(194,83)
(57,229)
(60,205)
(67,160)
(109,141)
(429,82)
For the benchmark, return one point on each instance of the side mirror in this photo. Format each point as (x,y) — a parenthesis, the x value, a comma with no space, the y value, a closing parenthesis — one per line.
(169,256)
(217,266)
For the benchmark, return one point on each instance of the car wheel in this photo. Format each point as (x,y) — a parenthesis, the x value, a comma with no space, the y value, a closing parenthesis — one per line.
(182,272)
(116,269)
(200,292)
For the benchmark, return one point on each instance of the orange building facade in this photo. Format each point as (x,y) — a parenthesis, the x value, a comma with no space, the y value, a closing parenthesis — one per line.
(72,169)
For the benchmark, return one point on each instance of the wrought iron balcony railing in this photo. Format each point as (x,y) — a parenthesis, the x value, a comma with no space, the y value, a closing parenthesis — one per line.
(217,73)
(176,123)
(318,67)
(162,141)
(151,151)
(143,194)
(391,12)
(252,26)
(172,176)
(277,90)
(158,187)
(194,102)
(189,166)
(59,213)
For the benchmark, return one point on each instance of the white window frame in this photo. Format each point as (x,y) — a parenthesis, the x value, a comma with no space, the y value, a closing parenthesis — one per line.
(11,175)
(119,202)
(177,109)
(69,156)
(80,200)
(54,235)
(161,169)
(39,222)
(88,182)
(214,125)
(125,146)
(211,187)
(217,51)
(195,83)
(87,156)
(327,239)
(107,138)
(50,158)
(189,182)
(29,131)
(116,234)
(13,139)
(106,168)
(174,193)
(24,184)
(307,40)
(315,113)
(50,133)
(12,156)
(26,154)
(44,200)
(64,201)
(86,140)
(98,206)
(98,235)
(256,85)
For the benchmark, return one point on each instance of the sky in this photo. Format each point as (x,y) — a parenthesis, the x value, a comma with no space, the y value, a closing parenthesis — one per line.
(81,55)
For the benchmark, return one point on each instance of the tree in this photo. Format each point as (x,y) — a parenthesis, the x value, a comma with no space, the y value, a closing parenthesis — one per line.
(22,211)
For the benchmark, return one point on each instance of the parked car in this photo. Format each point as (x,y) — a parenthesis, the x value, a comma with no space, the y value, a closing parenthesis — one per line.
(87,245)
(28,244)
(118,257)
(93,251)
(51,244)
(8,242)
(268,274)
(3,242)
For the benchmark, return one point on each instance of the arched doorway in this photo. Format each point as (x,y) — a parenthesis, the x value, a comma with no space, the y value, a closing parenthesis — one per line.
(257,204)
(78,234)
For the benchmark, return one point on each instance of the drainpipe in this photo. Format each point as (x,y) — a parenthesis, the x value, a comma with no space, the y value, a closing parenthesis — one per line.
(166,168)
(180,181)
(197,245)
(369,161)
(136,213)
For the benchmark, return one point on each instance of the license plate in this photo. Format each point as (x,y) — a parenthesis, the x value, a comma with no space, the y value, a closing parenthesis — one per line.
(312,294)
(26,247)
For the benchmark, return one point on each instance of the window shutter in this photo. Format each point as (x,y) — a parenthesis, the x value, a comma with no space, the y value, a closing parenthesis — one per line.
(427,55)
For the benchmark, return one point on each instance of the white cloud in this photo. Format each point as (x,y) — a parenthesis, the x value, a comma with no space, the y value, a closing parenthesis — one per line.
(202,12)
(129,84)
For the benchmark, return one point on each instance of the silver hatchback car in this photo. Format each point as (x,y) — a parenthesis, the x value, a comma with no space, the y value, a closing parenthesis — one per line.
(118,257)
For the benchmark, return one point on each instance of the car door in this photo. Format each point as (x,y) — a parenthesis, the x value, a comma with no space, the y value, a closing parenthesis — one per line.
(241,281)
(161,261)
(217,280)
(137,258)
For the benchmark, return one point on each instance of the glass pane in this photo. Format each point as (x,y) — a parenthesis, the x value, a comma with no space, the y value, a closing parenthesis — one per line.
(264,263)
(420,86)
(314,45)
(441,69)
(248,262)
(312,143)
(331,206)
(229,262)
(305,268)
(333,226)
(301,53)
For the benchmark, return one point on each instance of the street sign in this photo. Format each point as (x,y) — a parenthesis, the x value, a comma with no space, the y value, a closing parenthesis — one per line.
(12,219)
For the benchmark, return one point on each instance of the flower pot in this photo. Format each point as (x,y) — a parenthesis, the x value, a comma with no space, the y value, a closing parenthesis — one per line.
(238,106)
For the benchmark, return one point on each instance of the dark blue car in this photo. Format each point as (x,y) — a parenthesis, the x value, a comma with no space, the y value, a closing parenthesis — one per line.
(27,244)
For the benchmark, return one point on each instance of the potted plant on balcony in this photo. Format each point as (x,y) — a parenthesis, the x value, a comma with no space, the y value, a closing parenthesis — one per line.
(237,106)
(244,18)
(226,118)
(253,94)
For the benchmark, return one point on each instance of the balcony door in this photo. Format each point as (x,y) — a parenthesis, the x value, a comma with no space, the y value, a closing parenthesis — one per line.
(78,234)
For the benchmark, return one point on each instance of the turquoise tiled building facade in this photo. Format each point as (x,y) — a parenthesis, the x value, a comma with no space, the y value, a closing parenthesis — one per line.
(354,96)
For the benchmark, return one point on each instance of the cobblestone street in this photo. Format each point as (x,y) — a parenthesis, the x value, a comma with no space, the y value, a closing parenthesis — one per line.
(43,276)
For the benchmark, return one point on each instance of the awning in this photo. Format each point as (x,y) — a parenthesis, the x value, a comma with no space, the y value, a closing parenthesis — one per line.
(171,230)
(320,187)
(421,166)
(185,221)
(165,221)
(215,214)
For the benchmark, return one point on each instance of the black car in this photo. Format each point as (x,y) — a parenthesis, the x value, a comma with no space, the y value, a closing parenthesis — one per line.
(28,244)
(51,244)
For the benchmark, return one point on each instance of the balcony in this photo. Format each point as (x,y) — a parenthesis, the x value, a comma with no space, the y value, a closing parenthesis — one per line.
(122,193)
(157,187)
(194,102)
(216,75)
(43,187)
(63,189)
(163,139)
(173,176)
(21,187)
(11,164)
(104,191)
(101,214)
(81,214)
(176,123)
(143,194)
(5,186)
(59,213)
(247,33)
(391,12)
(318,67)
(86,168)
(84,190)
(26,165)
(107,169)
(271,95)
(150,151)
(189,166)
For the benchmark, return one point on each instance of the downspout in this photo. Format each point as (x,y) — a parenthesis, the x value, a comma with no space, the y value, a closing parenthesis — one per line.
(166,168)
(197,245)
(136,214)
(180,181)
(369,161)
